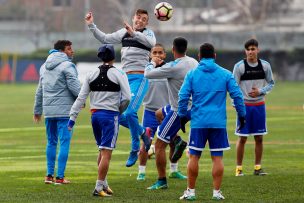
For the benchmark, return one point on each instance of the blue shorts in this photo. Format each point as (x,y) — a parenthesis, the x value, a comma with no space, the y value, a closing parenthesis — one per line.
(166,110)
(216,137)
(105,126)
(255,121)
(149,120)
(170,126)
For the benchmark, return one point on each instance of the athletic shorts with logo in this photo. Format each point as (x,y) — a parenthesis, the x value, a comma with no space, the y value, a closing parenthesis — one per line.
(149,119)
(170,126)
(255,120)
(105,126)
(216,137)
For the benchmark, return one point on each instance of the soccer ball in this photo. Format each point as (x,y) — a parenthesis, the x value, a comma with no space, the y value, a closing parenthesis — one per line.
(163,11)
(151,151)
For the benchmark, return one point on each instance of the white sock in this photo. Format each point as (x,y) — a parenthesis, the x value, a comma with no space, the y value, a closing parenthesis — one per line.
(99,185)
(191,191)
(141,169)
(105,184)
(215,192)
(173,167)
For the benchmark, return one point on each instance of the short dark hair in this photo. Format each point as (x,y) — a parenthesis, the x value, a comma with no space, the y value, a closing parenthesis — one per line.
(207,51)
(61,44)
(180,45)
(160,45)
(251,42)
(141,11)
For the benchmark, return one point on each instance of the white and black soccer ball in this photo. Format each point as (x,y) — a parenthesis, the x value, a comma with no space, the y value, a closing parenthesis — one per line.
(163,11)
(151,152)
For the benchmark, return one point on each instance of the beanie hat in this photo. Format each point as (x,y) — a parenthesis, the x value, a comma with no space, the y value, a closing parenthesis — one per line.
(106,52)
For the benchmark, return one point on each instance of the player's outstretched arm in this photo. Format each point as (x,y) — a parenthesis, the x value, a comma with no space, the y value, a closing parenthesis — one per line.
(128,28)
(89,19)
(112,38)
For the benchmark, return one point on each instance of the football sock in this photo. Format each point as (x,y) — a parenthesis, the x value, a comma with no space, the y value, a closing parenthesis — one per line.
(99,185)
(141,169)
(177,139)
(257,167)
(215,192)
(173,167)
(191,191)
(164,179)
(239,167)
(105,184)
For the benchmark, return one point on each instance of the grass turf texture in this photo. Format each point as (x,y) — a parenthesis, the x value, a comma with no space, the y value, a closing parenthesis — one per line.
(22,157)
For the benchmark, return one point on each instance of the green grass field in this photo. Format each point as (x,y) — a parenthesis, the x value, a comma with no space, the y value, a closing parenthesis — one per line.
(23,165)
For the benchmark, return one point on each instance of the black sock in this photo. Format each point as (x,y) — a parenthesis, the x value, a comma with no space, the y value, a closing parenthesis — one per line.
(164,179)
(177,139)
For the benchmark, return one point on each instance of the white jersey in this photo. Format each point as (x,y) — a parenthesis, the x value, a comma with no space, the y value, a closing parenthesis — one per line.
(157,95)
(175,72)
(100,99)
(133,58)
(264,85)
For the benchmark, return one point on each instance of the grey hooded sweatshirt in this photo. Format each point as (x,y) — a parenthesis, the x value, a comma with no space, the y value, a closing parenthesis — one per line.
(58,86)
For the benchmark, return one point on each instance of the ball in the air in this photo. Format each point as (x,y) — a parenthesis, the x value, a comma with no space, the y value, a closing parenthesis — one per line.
(163,11)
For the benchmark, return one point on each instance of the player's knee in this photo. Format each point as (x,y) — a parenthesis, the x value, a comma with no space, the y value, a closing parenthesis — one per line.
(160,145)
(142,148)
(258,139)
(159,116)
(242,140)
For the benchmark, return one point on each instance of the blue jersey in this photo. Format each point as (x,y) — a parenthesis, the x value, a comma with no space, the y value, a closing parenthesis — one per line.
(208,85)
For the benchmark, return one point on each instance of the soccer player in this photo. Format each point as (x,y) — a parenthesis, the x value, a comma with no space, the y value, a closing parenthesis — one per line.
(156,97)
(137,42)
(106,86)
(255,78)
(175,72)
(208,85)
(56,92)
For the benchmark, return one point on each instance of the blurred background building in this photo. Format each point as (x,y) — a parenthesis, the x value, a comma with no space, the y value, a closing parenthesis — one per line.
(30,25)
(27,25)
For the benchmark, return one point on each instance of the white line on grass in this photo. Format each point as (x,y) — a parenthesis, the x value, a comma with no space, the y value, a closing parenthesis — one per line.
(6,130)
(116,152)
